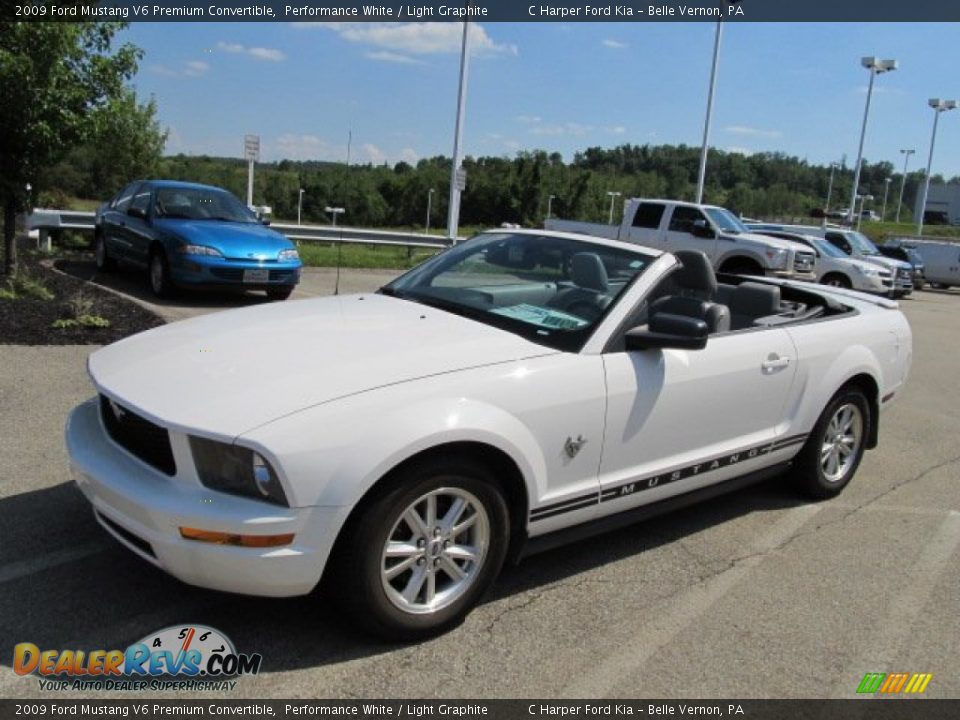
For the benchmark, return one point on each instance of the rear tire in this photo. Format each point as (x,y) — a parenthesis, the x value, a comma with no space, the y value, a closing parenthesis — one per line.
(105,263)
(159,269)
(832,453)
(404,575)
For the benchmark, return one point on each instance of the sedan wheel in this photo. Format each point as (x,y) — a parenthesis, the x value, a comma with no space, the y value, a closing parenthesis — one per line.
(833,452)
(160,281)
(419,553)
(102,257)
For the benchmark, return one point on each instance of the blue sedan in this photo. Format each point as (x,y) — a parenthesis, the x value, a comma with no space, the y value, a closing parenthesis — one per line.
(191,235)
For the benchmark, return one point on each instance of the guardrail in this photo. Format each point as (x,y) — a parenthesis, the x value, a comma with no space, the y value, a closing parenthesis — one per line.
(920,238)
(47,220)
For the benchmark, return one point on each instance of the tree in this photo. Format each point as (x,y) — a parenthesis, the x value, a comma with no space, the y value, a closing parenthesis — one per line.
(55,77)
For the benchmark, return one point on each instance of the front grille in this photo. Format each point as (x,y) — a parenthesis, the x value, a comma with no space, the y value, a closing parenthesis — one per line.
(282,275)
(138,436)
(231,274)
(135,540)
(803,262)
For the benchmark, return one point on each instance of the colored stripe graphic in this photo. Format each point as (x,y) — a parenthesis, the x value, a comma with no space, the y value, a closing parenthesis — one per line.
(893,683)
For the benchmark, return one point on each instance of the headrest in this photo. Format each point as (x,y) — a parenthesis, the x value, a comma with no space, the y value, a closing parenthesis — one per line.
(755,299)
(696,273)
(587,271)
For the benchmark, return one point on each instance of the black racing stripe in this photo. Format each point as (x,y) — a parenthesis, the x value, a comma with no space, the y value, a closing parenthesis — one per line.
(559,511)
(564,503)
(788,441)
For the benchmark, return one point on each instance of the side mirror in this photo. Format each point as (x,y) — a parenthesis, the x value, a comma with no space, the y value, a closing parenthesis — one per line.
(701,229)
(137,212)
(666,330)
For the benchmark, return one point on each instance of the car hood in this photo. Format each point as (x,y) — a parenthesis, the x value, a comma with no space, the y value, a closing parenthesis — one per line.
(891,264)
(771,241)
(226,373)
(232,239)
(861,263)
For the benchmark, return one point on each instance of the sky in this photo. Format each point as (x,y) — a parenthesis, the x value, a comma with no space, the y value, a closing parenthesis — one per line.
(304,88)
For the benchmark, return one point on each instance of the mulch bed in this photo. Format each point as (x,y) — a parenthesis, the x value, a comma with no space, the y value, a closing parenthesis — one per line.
(29,321)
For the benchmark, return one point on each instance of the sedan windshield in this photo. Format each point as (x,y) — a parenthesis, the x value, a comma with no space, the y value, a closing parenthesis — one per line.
(862,243)
(826,248)
(726,221)
(550,290)
(187,203)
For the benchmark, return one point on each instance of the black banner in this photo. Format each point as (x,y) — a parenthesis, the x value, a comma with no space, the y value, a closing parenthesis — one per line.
(865,708)
(482,11)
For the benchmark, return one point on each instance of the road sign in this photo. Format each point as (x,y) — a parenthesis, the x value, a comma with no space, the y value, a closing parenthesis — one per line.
(251,148)
(461,182)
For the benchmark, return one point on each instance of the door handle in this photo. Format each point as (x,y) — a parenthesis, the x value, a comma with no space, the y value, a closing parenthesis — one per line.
(775,362)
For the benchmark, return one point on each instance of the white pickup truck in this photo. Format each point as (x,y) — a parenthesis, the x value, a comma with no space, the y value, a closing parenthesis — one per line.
(672,225)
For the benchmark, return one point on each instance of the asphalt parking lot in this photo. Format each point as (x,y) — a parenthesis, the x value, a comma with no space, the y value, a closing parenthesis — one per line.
(754,595)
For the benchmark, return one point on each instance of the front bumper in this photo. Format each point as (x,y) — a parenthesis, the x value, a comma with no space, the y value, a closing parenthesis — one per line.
(143,509)
(793,275)
(204,270)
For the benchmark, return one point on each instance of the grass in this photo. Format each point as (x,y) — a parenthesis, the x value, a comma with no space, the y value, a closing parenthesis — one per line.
(878,231)
(363,256)
(24,286)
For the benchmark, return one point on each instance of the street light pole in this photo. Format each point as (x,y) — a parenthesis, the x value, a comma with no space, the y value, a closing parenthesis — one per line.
(903,180)
(453,212)
(886,190)
(550,205)
(613,197)
(826,210)
(702,173)
(429,204)
(299,204)
(938,106)
(876,66)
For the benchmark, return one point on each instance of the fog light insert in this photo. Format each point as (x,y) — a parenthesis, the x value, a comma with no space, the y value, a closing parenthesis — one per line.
(221,538)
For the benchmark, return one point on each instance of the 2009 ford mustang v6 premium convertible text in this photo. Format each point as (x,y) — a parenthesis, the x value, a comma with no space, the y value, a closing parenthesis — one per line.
(519,389)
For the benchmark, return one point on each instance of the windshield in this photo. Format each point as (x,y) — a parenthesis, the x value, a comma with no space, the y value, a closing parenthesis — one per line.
(862,243)
(550,290)
(201,204)
(826,248)
(725,220)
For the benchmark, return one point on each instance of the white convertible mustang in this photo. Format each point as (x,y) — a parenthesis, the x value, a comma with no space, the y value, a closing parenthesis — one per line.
(519,389)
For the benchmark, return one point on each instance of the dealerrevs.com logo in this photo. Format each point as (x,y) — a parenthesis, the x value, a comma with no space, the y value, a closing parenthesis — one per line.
(180,657)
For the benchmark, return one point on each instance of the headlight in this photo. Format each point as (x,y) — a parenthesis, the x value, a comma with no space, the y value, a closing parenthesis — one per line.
(868,271)
(236,470)
(199,250)
(777,258)
(288,255)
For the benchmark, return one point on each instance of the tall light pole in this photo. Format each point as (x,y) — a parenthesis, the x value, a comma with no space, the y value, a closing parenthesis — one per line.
(430,193)
(613,198)
(876,66)
(702,173)
(550,205)
(886,191)
(299,204)
(826,210)
(863,200)
(903,181)
(333,212)
(453,212)
(938,106)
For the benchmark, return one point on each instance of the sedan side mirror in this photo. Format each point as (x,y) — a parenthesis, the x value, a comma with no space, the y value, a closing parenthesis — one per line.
(701,229)
(666,330)
(137,212)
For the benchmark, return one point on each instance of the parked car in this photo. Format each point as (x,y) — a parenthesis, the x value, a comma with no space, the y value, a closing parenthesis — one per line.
(836,268)
(673,225)
(941,262)
(520,389)
(191,235)
(907,254)
(855,245)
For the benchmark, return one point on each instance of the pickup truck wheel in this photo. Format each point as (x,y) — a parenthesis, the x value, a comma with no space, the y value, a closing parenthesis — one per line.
(832,453)
(836,280)
(419,556)
(160,281)
(105,263)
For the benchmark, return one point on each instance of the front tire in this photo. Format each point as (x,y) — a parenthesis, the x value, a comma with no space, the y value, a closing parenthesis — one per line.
(420,555)
(105,263)
(160,281)
(832,453)
(280,293)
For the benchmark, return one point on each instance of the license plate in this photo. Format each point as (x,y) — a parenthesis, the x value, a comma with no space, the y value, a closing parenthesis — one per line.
(256,275)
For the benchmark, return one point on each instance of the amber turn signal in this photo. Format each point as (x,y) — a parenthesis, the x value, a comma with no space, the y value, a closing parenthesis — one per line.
(220,538)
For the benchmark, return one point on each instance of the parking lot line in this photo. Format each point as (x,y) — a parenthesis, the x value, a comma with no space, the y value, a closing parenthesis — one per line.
(685,609)
(918,582)
(23,568)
